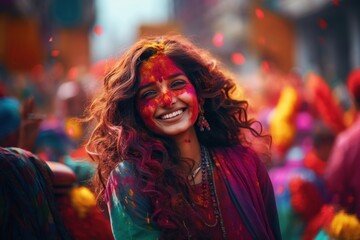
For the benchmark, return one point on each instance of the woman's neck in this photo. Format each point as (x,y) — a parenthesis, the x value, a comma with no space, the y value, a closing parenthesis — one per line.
(189,146)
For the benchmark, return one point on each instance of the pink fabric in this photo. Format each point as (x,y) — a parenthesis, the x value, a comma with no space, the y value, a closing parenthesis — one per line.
(250,190)
(343,171)
(234,226)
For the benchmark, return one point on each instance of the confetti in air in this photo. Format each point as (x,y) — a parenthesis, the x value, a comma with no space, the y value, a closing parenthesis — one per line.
(55,53)
(218,40)
(98,30)
(237,58)
(336,2)
(259,13)
(265,66)
(73,73)
(322,23)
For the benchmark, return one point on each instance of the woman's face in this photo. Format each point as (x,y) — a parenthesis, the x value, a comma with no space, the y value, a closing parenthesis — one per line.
(166,99)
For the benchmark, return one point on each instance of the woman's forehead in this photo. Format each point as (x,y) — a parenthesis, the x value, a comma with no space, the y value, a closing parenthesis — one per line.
(157,68)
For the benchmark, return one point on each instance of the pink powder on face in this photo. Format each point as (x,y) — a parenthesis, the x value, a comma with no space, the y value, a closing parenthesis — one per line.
(158,71)
(157,68)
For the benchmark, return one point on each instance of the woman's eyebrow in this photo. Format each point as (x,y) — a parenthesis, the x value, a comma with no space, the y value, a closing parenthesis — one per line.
(175,75)
(145,86)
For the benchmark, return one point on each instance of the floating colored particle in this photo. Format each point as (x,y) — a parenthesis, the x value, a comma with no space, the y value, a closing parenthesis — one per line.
(98,30)
(259,13)
(237,58)
(322,23)
(55,53)
(218,40)
(336,2)
(265,66)
(73,73)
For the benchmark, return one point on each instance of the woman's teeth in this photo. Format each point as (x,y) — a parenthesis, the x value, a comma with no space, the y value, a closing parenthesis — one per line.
(171,115)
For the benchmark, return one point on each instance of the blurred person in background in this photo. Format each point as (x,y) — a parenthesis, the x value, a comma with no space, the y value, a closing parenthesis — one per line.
(27,206)
(43,142)
(19,123)
(173,150)
(302,125)
(322,143)
(343,172)
(10,121)
(299,186)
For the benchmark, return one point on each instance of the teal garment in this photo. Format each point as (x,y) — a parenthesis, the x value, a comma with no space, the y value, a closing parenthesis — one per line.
(118,198)
(322,236)
(132,230)
(9,116)
(83,169)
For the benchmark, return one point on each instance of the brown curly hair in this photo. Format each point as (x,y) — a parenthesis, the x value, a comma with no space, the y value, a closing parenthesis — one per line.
(120,135)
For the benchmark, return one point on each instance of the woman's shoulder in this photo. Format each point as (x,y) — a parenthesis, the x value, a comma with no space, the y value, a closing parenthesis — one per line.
(128,206)
(244,159)
(123,169)
(123,173)
(238,150)
(238,154)
(121,178)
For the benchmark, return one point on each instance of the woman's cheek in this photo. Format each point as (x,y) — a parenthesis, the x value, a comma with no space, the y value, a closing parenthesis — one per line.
(194,108)
(147,110)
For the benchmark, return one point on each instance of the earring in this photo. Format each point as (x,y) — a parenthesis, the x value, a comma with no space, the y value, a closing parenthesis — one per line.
(202,122)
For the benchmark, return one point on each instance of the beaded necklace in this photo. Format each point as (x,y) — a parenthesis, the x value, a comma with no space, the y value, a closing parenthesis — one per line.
(208,188)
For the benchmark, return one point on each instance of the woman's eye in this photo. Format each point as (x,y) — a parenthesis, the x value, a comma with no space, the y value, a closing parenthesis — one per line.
(178,84)
(148,94)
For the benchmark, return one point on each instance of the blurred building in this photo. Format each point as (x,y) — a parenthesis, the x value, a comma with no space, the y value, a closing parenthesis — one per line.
(242,33)
(220,26)
(121,22)
(327,34)
(37,32)
(305,35)
(301,35)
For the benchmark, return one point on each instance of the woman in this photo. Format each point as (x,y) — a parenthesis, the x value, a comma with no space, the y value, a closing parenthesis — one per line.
(173,159)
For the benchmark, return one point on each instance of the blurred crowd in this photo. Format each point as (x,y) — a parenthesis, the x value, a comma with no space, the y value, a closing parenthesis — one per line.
(315,151)
(46,191)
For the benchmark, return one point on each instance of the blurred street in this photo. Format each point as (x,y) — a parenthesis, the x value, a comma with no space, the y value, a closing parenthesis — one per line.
(291,59)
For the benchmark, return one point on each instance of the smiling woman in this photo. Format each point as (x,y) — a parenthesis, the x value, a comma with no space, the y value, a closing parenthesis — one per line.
(173,158)
(166,101)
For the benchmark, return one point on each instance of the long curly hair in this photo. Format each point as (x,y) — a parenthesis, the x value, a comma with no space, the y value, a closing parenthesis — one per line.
(120,135)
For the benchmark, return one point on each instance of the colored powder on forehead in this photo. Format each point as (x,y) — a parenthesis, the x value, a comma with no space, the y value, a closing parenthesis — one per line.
(158,67)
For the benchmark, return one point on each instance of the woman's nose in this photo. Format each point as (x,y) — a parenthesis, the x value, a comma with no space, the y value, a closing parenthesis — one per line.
(167,99)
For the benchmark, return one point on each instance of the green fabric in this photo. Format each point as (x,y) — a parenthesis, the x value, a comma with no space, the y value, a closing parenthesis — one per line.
(322,236)
(128,208)
(125,228)
(83,169)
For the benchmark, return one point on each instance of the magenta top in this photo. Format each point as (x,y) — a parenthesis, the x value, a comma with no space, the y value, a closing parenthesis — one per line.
(244,190)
